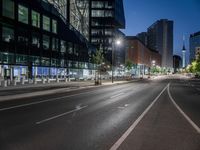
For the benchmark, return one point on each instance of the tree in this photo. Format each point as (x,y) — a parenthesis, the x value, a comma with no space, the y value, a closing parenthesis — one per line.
(128,64)
(98,59)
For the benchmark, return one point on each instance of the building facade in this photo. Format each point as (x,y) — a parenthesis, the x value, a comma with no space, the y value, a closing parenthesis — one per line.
(194,43)
(197,52)
(160,38)
(37,41)
(106,18)
(141,56)
(177,63)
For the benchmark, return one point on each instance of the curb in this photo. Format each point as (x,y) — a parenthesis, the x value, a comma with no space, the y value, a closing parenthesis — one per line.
(60,90)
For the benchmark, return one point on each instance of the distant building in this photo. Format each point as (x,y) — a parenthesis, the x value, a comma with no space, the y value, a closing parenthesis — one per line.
(197,52)
(141,56)
(194,42)
(160,38)
(177,63)
(143,36)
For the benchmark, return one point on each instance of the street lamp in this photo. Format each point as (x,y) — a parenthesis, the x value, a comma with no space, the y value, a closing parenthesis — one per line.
(118,43)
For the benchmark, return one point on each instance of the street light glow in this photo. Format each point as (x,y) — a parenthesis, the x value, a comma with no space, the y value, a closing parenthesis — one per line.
(118,42)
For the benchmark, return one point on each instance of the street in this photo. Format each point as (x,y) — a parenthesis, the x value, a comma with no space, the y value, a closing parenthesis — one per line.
(145,115)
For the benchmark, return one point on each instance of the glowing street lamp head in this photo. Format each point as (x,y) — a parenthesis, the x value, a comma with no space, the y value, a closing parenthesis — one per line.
(118,42)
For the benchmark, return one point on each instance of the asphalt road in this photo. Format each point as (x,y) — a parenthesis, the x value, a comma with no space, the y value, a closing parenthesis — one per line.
(96,118)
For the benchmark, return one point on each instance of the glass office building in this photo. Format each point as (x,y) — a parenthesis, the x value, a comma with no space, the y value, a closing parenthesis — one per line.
(194,43)
(106,18)
(36,40)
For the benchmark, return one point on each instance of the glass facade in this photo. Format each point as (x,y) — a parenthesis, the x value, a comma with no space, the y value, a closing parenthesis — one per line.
(79,16)
(25,43)
(194,43)
(107,16)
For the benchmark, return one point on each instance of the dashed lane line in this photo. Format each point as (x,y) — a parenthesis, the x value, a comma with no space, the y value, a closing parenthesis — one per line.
(60,115)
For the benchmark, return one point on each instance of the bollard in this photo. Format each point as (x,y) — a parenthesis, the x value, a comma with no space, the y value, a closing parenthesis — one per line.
(57,80)
(22,80)
(8,82)
(66,80)
(34,81)
(29,81)
(4,83)
(14,82)
(43,81)
(48,80)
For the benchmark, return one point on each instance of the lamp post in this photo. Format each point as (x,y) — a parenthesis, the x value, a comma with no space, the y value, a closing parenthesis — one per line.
(116,42)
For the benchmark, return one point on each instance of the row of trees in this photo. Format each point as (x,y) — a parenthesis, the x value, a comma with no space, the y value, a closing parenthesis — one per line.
(194,67)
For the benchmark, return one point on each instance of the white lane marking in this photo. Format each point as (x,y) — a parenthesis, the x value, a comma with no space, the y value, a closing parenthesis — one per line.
(182,112)
(117,95)
(198,89)
(60,115)
(42,101)
(132,127)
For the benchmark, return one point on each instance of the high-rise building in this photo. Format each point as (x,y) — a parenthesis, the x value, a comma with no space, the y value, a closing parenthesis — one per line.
(194,42)
(106,18)
(160,38)
(143,36)
(177,63)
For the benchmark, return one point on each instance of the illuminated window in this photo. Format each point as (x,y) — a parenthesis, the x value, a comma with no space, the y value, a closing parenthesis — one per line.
(55,44)
(22,14)
(7,34)
(46,42)
(46,23)
(35,19)
(54,26)
(63,46)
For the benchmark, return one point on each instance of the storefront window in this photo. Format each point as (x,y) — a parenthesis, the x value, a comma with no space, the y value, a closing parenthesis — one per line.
(46,42)
(7,34)
(22,14)
(35,19)
(8,8)
(21,59)
(46,23)
(54,26)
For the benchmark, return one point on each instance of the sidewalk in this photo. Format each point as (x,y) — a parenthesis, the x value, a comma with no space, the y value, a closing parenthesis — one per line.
(25,91)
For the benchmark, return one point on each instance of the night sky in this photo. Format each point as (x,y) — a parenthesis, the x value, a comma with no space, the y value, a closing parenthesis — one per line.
(140,14)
